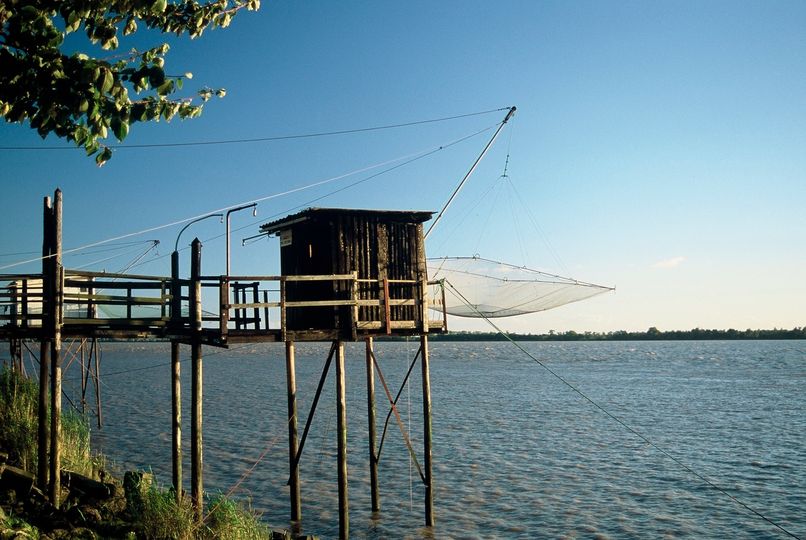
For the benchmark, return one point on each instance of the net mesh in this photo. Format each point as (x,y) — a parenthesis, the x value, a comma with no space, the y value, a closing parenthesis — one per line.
(480,287)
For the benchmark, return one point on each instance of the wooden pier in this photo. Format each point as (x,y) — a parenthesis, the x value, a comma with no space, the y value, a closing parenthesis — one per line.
(346,275)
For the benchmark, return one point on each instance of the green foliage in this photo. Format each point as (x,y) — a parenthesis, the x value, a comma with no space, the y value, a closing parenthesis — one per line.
(18,417)
(76,454)
(161,516)
(231,520)
(81,97)
(19,424)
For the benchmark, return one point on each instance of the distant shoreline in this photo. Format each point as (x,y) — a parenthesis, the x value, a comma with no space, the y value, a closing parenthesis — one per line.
(653,334)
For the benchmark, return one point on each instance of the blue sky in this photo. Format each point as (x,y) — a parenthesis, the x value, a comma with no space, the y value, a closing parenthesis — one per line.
(658,146)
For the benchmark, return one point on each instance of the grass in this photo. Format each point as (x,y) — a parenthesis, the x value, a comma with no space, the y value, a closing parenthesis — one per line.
(19,424)
(159,515)
(155,510)
(232,520)
(18,418)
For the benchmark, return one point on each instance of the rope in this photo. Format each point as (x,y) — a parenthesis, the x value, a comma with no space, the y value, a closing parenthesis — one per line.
(267,139)
(616,419)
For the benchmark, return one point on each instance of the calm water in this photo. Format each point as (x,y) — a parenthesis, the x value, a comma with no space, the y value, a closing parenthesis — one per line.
(516,453)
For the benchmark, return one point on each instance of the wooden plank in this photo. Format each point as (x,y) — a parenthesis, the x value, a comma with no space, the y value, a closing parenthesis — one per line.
(254,305)
(395,325)
(392,302)
(118,285)
(334,277)
(113,275)
(110,300)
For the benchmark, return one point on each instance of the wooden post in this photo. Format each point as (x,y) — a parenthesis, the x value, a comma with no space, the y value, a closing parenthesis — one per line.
(176,423)
(291,385)
(428,469)
(85,371)
(373,458)
(43,435)
(55,304)
(341,422)
(98,382)
(176,382)
(196,458)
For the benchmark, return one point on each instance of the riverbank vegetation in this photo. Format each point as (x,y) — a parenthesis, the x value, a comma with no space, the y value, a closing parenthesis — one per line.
(652,334)
(136,507)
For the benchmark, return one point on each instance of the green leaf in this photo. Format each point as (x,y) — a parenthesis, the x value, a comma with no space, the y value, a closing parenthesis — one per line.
(103,157)
(108,82)
(120,128)
(131,27)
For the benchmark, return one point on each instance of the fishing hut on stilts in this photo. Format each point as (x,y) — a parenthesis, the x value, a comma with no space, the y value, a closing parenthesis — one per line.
(351,275)
(346,276)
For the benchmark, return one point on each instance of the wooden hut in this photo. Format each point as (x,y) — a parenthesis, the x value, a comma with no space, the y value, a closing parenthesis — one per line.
(353,273)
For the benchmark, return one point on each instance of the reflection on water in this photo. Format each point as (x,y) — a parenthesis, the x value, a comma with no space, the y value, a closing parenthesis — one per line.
(516,453)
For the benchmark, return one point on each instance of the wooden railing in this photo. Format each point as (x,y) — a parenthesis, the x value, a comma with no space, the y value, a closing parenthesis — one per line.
(256,302)
(246,304)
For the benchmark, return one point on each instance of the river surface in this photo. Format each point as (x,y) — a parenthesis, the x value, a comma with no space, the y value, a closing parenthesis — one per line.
(517,453)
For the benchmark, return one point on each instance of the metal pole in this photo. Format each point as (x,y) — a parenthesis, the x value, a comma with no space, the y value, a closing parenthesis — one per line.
(373,458)
(470,172)
(291,384)
(239,208)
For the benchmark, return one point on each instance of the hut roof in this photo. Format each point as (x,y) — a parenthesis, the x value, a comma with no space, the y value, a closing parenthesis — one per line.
(392,216)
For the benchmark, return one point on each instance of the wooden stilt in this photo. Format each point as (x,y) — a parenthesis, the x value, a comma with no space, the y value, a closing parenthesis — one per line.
(55,420)
(291,385)
(43,434)
(427,465)
(85,373)
(55,304)
(176,420)
(176,382)
(196,458)
(373,458)
(341,414)
(97,352)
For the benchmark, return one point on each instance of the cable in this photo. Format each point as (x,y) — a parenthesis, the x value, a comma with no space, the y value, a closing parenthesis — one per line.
(259,199)
(375,175)
(616,419)
(267,139)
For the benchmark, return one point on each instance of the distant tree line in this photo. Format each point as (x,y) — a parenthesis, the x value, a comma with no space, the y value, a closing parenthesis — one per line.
(652,334)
